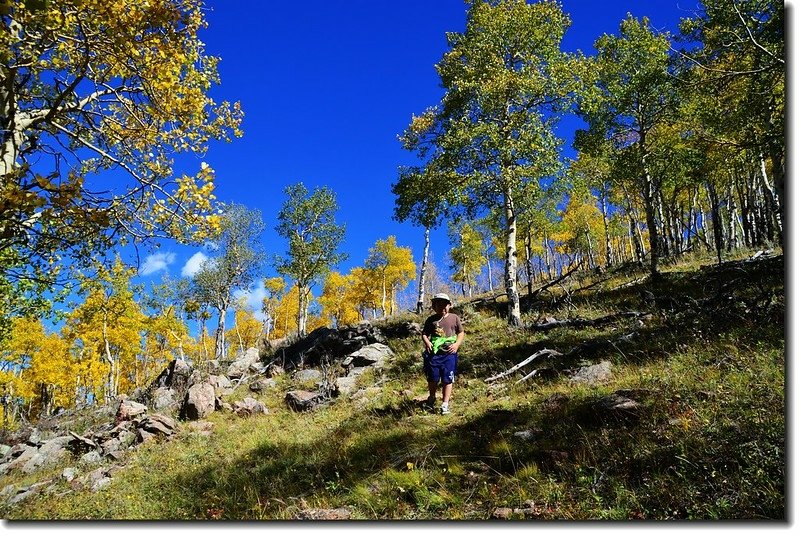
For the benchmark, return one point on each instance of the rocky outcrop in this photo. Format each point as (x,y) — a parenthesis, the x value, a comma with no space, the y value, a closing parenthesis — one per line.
(326,344)
(241,365)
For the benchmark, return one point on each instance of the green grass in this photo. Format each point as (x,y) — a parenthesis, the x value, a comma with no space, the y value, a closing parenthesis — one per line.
(709,442)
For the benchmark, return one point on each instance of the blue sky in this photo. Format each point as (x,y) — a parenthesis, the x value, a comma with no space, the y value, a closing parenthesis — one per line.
(326,87)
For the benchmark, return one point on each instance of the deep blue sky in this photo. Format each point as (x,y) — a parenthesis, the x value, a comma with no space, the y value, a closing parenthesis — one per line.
(326,87)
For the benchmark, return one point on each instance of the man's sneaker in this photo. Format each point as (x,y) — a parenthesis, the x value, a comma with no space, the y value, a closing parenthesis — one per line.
(430,402)
(445,409)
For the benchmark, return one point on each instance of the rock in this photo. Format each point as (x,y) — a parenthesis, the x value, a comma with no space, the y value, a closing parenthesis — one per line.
(175,376)
(594,374)
(26,492)
(249,406)
(302,400)
(158,424)
(93,457)
(372,355)
(617,405)
(163,398)
(22,459)
(222,385)
(342,513)
(4,449)
(145,436)
(346,385)
(128,410)
(528,434)
(200,401)
(100,483)
(274,370)
(242,363)
(261,384)
(307,376)
(80,444)
(69,474)
(502,513)
(328,345)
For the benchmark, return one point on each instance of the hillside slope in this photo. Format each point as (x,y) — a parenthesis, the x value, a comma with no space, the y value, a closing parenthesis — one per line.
(669,406)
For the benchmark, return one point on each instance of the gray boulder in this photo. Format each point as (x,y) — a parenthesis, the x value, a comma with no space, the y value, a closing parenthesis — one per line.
(49,454)
(221,384)
(593,374)
(158,424)
(164,398)
(69,474)
(240,366)
(374,355)
(303,400)
(25,454)
(200,401)
(261,384)
(93,457)
(249,406)
(129,409)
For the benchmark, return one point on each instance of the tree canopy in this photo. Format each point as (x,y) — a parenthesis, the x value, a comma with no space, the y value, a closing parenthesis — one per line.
(90,90)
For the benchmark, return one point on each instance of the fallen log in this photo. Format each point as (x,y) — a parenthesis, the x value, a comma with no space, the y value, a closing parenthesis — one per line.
(538,354)
(553,323)
(571,355)
(553,282)
(629,283)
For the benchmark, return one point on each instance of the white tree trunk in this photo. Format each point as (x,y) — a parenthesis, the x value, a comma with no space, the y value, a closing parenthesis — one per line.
(421,290)
(514,316)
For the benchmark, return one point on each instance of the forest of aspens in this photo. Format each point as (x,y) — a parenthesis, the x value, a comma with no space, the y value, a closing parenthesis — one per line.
(680,156)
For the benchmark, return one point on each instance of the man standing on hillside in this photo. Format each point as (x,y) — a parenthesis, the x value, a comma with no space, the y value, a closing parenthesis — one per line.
(442,335)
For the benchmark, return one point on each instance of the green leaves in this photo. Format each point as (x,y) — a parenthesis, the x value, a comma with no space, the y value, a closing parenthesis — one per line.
(307,222)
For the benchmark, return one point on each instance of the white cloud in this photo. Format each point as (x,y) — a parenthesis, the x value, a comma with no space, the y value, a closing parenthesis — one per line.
(156,262)
(192,266)
(255,296)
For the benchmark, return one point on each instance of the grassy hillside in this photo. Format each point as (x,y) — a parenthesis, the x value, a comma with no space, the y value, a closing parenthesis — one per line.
(705,362)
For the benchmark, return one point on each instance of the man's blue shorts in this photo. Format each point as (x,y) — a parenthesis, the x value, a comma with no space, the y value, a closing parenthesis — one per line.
(440,367)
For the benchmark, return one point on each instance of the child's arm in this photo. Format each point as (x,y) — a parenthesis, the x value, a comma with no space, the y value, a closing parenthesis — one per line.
(453,348)
(426,341)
